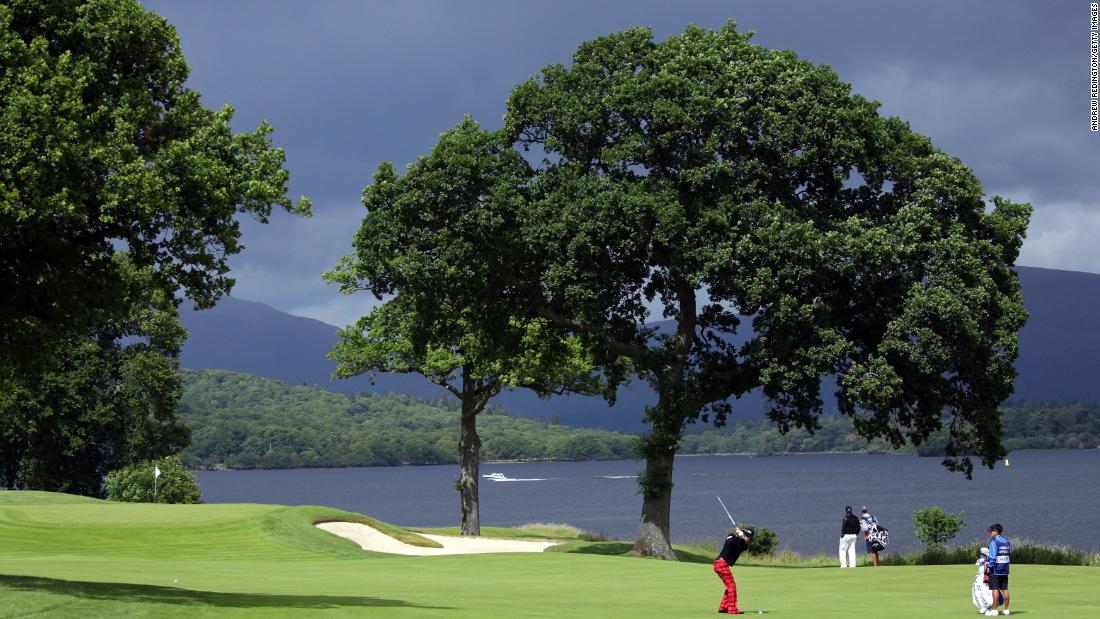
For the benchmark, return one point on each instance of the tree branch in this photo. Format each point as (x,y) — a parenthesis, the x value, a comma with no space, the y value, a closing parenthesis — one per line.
(625,349)
(442,382)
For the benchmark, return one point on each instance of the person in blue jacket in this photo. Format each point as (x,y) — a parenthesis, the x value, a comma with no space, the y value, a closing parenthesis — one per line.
(1000,553)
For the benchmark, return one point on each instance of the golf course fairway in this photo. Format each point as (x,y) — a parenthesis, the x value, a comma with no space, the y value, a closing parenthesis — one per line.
(70,556)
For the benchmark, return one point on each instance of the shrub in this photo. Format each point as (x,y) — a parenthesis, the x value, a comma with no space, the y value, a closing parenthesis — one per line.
(764,541)
(936,527)
(1024,551)
(1027,551)
(134,483)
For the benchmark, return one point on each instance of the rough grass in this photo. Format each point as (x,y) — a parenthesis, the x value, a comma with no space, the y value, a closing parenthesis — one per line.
(556,530)
(99,559)
(1024,552)
(541,531)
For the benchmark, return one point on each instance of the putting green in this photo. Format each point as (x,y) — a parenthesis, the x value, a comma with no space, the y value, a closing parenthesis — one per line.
(84,558)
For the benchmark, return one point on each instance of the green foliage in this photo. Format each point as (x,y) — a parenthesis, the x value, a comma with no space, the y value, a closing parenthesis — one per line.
(427,238)
(102,146)
(241,421)
(936,527)
(764,541)
(135,484)
(1028,552)
(443,322)
(702,166)
(855,246)
(1024,552)
(1051,426)
(104,399)
(1025,426)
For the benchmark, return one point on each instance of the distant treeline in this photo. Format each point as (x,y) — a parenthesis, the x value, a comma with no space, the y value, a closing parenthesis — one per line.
(242,421)
(1024,426)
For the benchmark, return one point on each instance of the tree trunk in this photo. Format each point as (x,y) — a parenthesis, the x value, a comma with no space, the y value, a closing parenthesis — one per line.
(469,453)
(659,449)
(653,536)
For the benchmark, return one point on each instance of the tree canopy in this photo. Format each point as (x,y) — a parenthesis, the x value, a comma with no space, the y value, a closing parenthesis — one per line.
(737,187)
(105,398)
(103,148)
(428,238)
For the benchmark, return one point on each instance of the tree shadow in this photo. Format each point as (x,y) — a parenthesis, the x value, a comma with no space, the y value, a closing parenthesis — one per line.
(693,556)
(622,549)
(135,593)
(684,554)
(612,549)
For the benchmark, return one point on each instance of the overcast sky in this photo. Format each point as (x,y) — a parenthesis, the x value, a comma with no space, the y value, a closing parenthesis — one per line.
(347,84)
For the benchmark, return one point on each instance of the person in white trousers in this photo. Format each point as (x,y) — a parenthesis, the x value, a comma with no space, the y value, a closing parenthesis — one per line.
(849,528)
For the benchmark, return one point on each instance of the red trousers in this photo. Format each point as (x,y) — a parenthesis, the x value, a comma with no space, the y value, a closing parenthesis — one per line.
(729,599)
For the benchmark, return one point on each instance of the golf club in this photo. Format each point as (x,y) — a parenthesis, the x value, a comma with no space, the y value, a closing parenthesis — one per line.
(732,521)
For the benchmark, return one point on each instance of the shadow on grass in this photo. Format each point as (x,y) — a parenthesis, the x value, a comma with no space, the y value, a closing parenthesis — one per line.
(134,593)
(611,549)
(684,554)
(623,549)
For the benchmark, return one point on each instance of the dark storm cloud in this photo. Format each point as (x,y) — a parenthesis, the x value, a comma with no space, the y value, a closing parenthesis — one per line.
(348,84)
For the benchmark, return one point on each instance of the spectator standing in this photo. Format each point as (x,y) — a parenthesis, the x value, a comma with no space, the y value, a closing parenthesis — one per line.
(849,527)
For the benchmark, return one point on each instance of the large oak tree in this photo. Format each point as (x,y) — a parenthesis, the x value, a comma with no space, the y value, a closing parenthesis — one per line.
(431,242)
(738,188)
(102,148)
(104,399)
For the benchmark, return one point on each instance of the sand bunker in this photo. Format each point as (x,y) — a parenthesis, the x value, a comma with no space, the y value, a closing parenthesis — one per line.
(372,539)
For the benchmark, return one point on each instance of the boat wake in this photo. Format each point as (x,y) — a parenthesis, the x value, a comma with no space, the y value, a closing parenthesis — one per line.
(503,477)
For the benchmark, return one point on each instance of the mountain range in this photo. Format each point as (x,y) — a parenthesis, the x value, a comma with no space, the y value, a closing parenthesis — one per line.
(1059,355)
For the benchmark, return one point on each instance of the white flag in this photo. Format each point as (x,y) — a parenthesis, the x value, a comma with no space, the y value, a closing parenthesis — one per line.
(156,472)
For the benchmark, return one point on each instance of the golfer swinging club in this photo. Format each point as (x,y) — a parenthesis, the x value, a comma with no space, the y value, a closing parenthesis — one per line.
(735,544)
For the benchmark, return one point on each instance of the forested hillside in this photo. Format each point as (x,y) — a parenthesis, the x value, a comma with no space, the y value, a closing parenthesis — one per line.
(1058,355)
(242,421)
(1024,426)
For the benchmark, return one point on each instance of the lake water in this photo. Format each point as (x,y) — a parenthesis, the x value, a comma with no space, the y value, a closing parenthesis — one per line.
(1049,496)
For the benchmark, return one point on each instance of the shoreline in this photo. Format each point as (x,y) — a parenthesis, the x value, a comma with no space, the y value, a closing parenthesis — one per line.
(639,459)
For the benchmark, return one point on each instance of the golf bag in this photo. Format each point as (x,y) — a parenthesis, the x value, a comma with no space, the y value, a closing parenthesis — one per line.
(879,537)
(980,593)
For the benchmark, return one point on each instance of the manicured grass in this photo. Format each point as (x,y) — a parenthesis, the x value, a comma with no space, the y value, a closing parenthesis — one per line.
(34,497)
(92,558)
